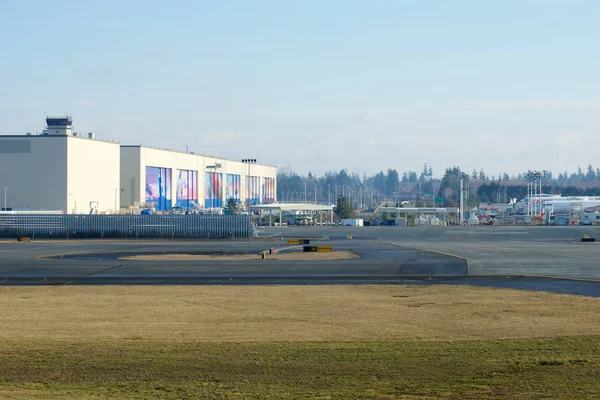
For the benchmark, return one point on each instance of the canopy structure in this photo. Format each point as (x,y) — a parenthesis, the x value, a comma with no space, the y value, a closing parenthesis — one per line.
(436,211)
(288,207)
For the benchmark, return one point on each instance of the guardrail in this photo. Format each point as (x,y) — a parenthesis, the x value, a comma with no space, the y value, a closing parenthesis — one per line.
(126,226)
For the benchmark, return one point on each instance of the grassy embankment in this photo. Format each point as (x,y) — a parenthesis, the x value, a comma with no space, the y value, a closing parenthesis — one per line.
(297,342)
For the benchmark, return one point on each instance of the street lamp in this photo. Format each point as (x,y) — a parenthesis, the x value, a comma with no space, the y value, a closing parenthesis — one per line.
(116,205)
(74,203)
(12,205)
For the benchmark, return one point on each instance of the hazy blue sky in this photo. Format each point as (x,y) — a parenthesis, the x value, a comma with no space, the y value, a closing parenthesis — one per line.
(316,85)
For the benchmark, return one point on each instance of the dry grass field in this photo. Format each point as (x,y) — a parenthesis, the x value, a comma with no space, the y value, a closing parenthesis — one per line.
(297,342)
(291,313)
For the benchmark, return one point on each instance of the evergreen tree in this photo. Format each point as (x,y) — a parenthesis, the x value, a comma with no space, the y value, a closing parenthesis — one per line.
(379,182)
(580,174)
(392,182)
(343,209)
(482,175)
(424,174)
(591,174)
(231,205)
(450,185)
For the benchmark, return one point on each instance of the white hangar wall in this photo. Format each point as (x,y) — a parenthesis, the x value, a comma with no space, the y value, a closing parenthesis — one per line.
(46,172)
(164,179)
(93,175)
(34,169)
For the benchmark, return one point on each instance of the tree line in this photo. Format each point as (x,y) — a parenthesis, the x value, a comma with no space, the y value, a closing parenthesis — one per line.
(424,189)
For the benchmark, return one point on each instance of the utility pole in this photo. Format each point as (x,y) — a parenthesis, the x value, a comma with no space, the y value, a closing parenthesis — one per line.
(329,194)
(315,192)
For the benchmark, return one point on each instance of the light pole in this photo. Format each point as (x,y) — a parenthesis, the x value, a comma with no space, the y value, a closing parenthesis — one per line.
(329,194)
(527,197)
(535,199)
(248,161)
(5,189)
(544,174)
(12,204)
(74,203)
(304,192)
(315,192)
(464,182)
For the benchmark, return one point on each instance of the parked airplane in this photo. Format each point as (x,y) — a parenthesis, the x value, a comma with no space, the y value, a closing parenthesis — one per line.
(572,206)
(556,204)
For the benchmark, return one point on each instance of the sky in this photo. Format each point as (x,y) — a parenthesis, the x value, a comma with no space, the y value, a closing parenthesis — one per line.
(316,85)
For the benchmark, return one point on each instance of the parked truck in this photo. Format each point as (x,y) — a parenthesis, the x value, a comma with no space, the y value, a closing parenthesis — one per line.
(352,222)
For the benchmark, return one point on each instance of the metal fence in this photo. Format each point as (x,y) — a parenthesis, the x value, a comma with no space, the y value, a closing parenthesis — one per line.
(126,226)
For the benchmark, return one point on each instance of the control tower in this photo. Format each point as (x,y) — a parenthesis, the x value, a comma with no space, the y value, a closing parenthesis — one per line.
(59,126)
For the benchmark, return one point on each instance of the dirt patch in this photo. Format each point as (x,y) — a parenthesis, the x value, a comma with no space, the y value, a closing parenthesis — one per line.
(190,257)
(334,255)
(290,313)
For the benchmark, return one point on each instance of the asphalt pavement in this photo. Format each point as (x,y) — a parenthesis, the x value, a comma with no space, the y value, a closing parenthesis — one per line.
(535,258)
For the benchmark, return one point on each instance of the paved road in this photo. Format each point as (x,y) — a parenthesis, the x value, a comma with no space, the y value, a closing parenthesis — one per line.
(424,255)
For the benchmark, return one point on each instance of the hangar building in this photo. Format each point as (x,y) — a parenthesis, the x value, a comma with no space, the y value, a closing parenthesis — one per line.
(63,170)
(166,179)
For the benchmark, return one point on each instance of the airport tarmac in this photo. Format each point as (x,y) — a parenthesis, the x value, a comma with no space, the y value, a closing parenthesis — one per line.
(537,258)
(552,251)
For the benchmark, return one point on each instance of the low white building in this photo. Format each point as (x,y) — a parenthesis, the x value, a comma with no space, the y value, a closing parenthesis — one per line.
(75,173)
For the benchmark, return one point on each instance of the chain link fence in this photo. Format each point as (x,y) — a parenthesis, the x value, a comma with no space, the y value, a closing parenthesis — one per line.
(126,226)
